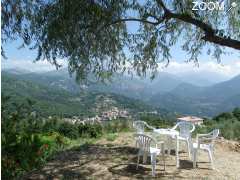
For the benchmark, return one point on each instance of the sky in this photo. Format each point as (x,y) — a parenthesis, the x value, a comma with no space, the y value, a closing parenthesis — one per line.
(229,67)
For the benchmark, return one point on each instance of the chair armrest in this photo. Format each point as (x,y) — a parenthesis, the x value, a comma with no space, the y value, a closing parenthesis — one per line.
(204,140)
(159,144)
(193,128)
(175,127)
(150,127)
(203,135)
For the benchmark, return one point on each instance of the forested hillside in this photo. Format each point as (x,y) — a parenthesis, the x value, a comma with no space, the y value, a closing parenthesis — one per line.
(166,92)
(202,101)
(56,101)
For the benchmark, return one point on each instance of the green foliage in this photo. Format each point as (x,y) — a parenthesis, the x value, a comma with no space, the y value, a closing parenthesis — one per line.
(51,125)
(93,35)
(227,122)
(68,130)
(58,102)
(223,116)
(236,113)
(157,121)
(111,136)
(91,131)
(28,140)
(116,126)
(73,131)
(24,145)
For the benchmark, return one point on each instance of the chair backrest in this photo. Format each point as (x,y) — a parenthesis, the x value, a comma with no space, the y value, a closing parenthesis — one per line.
(144,142)
(209,138)
(139,126)
(185,128)
(215,133)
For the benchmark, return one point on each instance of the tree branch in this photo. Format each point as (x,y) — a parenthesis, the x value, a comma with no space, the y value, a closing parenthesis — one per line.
(210,33)
(223,41)
(133,19)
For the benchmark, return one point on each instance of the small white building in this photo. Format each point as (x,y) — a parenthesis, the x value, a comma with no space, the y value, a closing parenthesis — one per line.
(193,119)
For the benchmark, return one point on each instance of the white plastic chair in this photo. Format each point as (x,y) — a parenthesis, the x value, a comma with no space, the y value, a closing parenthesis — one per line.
(140,126)
(205,142)
(185,134)
(145,150)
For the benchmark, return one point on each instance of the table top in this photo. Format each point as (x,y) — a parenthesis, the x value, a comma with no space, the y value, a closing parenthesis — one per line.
(167,131)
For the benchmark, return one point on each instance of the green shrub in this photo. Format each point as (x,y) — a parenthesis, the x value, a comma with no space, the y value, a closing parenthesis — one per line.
(51,125)
(116,126)
(24,145)
(69,130)
(229,128)
(236,113)
(223,116)
(157,121)
(111,136)
(28,151)
(90,130)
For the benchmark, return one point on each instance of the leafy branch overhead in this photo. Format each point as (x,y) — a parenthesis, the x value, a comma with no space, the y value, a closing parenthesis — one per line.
(95,36)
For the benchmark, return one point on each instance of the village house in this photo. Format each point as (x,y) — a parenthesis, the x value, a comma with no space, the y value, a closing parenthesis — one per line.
(193,119)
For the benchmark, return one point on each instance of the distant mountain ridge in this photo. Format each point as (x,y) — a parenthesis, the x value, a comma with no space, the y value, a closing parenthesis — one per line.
(56,101)
(167,91)
(125,85)
(202,101)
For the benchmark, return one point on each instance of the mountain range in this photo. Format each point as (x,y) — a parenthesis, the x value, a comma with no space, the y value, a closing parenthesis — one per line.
(203,101)
(53,100)
(173,93)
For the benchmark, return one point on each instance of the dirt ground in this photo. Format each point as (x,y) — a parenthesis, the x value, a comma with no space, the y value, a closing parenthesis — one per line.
(117,160)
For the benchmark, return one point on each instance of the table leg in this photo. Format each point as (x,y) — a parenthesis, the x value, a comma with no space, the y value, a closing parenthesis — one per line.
(168,145)
(177,150)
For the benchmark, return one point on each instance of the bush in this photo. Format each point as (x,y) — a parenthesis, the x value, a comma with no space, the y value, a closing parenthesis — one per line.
(229,128)
(111,136)
(116,126)
(223,116)
(157,121)
(236,113)
(24,145)
(69,130)
(51,125)
(89,130)
(28,151)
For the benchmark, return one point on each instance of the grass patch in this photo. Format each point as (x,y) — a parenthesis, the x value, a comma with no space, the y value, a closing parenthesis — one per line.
(81,142)
(111,136)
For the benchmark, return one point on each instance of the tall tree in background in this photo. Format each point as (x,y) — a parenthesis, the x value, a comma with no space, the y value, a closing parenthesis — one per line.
(93,35)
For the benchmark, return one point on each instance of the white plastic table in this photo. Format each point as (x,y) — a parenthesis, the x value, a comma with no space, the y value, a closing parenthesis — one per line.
(171,133)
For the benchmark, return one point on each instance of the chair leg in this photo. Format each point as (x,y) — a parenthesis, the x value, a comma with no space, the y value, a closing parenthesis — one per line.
(210,155)
(177,152)
(163,156)
(168,145)
(138,160)
(189,149)
(195,158)
(145,156)
(153,162)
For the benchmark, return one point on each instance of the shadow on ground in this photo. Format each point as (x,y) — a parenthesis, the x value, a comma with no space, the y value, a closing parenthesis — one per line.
(106,161)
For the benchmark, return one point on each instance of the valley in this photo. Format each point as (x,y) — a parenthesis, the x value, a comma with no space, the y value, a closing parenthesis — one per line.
(167,93)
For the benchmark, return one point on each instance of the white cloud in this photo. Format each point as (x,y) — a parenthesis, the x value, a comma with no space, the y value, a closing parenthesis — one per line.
(28,65)
(227,69)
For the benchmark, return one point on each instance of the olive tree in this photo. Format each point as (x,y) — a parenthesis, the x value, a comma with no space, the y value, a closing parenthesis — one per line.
(93,36)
